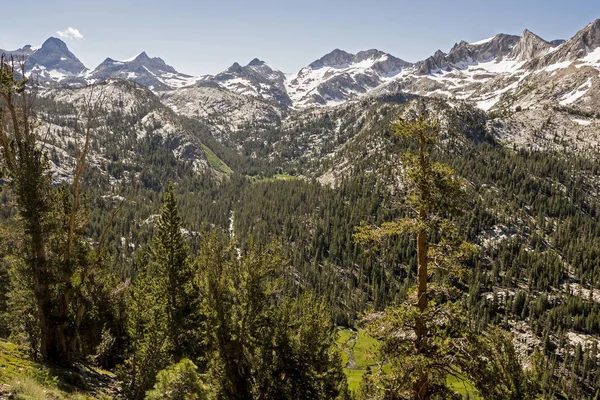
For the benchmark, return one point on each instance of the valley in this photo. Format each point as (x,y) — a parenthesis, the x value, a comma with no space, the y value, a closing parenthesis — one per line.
(302,160)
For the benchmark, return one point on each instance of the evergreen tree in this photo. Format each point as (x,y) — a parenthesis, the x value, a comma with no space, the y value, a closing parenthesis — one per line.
(263,346)
(169,258)
(426,339)
(163,309)
(58,272)
(302,361)
(178,382)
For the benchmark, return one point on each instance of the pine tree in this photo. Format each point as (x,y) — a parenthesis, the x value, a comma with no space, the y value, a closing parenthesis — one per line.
(237,293)
(302,361)
(263,345)
(434,194)
(163,309)
(57,268)
(170,261)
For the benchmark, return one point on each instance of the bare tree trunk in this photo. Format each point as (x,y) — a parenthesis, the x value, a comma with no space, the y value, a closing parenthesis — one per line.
(421,386)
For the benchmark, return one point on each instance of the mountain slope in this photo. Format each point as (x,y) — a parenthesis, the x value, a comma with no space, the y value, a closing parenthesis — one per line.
(223,111)
(499,73)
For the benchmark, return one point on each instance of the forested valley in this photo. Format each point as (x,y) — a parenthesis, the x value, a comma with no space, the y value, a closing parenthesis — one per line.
(471,265)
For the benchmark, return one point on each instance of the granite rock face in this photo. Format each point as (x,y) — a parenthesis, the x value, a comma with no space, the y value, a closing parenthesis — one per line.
(529,46)
(55,55)
(580,45)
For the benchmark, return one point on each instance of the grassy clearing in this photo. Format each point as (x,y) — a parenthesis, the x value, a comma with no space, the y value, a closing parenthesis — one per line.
(284,177)
(216,162)
(344,335)
(24,379)
(364,352)
(354,377)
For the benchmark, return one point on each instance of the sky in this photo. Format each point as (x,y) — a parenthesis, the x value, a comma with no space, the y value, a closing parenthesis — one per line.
(205,37)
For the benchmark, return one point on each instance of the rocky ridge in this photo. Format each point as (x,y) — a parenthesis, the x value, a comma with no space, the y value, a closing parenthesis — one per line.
(498,73)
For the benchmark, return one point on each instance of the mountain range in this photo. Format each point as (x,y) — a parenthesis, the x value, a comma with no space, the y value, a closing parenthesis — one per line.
(494,73)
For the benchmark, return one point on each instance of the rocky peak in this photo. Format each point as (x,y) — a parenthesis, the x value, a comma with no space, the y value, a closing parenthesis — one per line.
(588,38)
(529,47)
(151,72)
(256,63)
(256,79)
(384,63)
(24,52)
(55,55)
(235,68)
(435,62)
(152,63)
(463,53)
(368,54)
(54,44)
(142,57)
(337,59)
(483,51)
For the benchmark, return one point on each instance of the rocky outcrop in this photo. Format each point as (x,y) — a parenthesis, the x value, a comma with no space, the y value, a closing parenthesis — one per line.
(256,79)
(584,42)
(529,47)
(464,54)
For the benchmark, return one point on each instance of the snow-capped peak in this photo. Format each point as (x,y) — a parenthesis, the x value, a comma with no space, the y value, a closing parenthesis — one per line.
(339,76)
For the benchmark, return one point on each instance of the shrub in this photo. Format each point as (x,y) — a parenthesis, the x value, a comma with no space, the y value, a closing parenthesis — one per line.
(178,382)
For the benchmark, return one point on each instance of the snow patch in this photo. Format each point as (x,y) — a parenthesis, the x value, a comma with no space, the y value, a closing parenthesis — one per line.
(592,57)
(485,105)
(483,41)
(131,59)
(583,122)
(557,66)
(575,95)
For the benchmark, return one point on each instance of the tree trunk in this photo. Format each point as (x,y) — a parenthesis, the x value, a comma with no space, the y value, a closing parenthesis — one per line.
(48,341)
(421,386)
(422,270)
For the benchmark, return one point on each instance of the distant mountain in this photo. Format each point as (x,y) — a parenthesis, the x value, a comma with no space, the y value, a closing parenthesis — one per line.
(500,71)
(340,76)
(579,46)
(153,72)
(52,62)
(54,55)
(464,54)
(256,79)
(23,52)
(530,46)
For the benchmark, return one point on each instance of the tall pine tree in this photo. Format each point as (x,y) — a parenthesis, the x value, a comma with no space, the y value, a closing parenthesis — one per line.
(163,308)
(422,338)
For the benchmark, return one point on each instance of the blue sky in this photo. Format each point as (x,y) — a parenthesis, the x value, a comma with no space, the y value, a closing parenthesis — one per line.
(200,37)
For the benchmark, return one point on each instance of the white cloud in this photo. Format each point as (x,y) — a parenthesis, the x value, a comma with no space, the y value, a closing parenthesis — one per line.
(70,33)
